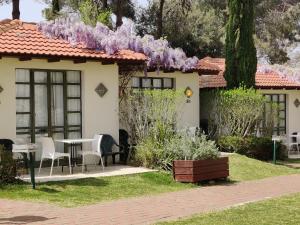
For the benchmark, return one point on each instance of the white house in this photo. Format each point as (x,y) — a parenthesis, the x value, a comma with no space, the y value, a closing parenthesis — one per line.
(51,88)
(276,88)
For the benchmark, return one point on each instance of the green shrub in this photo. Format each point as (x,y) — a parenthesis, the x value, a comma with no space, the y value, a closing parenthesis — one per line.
(239,112)
(255,147)
(192,148)
(179,147)
(8,171)
(235,144)
(148,153)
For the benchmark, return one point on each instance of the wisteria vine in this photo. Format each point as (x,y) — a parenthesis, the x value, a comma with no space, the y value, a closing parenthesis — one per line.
(101,38)
(289,70)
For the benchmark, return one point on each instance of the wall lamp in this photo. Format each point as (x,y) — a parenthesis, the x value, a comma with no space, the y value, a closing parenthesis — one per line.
(188,93)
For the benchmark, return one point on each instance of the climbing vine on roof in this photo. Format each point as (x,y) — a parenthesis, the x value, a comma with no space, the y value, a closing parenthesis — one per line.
(290,70)
(101,38)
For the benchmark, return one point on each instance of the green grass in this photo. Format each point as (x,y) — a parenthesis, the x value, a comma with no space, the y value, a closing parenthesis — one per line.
(292,160)
(280,211)
(243,168)
(94,190)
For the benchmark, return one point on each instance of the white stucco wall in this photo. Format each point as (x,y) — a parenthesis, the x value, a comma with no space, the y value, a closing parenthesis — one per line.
(188,112)
(292,112)
(100,115)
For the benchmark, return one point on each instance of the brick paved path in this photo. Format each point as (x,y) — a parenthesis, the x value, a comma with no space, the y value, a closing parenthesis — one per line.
(147,210)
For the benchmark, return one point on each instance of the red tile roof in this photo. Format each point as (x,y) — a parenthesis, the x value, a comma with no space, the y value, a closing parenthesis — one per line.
(20,38)
(262,80)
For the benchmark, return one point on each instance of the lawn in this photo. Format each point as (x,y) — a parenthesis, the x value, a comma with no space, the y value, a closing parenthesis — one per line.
(93,190)
(243,168)
(280,211)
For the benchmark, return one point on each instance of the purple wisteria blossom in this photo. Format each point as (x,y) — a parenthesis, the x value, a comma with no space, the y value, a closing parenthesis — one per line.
(101,38)
(288,71)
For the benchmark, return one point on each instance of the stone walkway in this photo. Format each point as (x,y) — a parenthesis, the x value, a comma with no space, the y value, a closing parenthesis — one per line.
(151,209)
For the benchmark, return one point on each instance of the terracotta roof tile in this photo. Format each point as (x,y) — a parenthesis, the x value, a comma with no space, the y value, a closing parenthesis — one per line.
(17,37)
(262,80)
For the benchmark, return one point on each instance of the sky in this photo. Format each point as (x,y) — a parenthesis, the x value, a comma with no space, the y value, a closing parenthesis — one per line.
(31,10)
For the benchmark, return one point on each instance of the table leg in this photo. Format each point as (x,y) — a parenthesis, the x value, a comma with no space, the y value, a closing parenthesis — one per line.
(72,158)
(32,176)
(274,152)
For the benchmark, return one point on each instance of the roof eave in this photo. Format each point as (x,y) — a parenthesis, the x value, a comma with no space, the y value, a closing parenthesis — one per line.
(94,59)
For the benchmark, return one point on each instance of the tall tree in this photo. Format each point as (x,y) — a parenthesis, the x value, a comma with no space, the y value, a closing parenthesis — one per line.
(160,18)
(198,28)
(122,8)
(53,10)
(240,51)
(55,6)
(184,5)
(119,12)
(93,11)
(16,9)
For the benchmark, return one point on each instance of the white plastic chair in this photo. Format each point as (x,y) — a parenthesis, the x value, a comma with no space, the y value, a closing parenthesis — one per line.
(48,152)
(96,150)
(294,143)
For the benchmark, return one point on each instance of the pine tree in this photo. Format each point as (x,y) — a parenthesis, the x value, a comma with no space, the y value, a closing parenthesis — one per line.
(241,61)
(55,7)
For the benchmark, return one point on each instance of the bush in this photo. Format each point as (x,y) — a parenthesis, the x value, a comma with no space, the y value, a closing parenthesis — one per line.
(192,148)
(239,112)
(151,113)
(8,171)
(148,153)
(179,147)
(255,147)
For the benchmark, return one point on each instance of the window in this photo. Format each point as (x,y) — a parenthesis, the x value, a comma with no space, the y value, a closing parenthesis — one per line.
(152,83)
(48,103)
(279,100)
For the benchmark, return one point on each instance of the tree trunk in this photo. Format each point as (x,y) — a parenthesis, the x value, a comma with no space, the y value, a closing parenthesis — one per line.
(119,13)
(105,4)
(160,19)
(55,7)
(16,9)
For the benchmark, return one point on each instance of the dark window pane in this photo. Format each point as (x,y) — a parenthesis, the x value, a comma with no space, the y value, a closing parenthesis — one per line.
(168,83)
(135,82)
(146,83)
(40,77)
(22,75)
(56,77)
(280,122)
(23,105)
(73,77)
(282,98)
(157,83)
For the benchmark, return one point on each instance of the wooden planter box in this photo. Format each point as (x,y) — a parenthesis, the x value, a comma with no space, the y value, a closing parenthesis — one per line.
(194,171)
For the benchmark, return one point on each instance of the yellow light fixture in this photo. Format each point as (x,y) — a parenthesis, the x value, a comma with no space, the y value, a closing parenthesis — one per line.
(188,92)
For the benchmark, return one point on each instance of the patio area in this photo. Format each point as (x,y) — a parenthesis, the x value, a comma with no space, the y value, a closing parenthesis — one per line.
(92,172)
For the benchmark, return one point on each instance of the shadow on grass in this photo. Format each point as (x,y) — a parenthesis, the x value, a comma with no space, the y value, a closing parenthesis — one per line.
(85,182)
(219,182)
(23,219)
(48,190)
(52,186)
(290,164)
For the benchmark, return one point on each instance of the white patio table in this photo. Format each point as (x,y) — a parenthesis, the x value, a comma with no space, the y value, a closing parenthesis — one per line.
(29,149)
(72,143)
